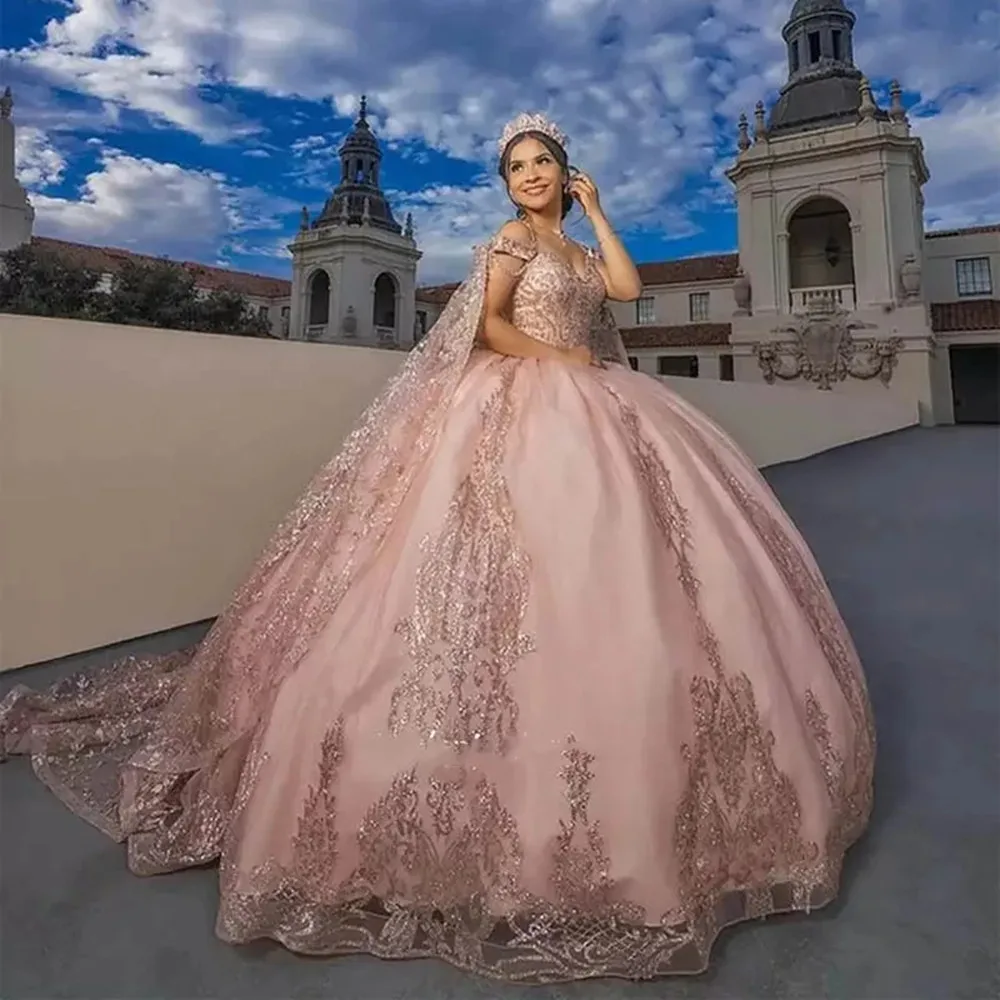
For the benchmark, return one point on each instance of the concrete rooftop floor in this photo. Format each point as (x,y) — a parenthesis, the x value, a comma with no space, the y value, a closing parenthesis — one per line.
(907,529)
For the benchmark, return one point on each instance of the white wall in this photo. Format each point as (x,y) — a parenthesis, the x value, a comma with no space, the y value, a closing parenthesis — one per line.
(940,254)
(143,469)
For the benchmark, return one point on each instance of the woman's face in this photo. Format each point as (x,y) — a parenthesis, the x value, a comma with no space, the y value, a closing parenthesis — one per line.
(534,177)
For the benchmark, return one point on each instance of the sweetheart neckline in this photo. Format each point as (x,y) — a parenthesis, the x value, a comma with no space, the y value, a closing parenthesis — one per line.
(588,260)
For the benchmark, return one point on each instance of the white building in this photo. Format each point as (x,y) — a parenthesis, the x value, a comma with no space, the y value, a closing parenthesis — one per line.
(17,215)
(835,285)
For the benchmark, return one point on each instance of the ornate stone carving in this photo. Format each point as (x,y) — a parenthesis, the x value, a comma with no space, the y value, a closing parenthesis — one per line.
(743,142)
(868,108)
(824,350)
(896,110)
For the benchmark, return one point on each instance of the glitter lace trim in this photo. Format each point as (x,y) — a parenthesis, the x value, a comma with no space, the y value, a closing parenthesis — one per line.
(464,636)
(440,875)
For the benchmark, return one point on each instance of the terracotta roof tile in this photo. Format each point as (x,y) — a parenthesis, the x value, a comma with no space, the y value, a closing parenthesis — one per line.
(969,314)
(682,335)
(993,227)
(714,267)
(437,295)
(108,259)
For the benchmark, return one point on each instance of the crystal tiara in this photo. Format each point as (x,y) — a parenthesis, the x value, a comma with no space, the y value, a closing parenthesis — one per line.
(530,123)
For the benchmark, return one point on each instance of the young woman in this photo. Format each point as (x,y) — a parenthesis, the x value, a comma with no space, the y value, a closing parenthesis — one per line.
(537,678)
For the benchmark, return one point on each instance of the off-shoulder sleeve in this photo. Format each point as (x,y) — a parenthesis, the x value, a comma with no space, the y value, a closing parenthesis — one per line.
(509,256)
(507,247)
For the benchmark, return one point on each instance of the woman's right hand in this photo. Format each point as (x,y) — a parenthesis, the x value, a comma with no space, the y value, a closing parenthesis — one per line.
(579,355)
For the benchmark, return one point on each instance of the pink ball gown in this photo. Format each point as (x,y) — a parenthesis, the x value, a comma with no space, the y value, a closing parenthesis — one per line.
(537,678)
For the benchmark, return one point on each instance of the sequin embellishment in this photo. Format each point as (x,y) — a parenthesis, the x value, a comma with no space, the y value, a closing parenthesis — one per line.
(464,636)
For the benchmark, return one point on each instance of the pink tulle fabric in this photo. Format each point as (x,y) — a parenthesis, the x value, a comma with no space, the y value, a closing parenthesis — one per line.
(538,678)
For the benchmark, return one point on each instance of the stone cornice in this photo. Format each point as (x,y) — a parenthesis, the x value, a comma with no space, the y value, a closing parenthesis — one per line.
(811,148)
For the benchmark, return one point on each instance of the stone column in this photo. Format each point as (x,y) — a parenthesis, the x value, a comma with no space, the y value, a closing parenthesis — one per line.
(782,280)
(858,257)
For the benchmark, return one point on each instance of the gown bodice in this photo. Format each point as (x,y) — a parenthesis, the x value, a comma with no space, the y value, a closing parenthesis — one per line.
(555,303)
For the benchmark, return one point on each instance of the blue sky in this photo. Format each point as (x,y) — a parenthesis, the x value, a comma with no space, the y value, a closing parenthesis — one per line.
(198,128)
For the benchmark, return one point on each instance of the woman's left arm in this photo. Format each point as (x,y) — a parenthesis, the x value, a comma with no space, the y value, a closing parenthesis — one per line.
(621,277)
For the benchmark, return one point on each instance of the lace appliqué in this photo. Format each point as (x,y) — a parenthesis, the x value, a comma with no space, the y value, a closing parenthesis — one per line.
(849,781)
(581,866)
(440,875)
(738,823)
(464,636)
(315,845)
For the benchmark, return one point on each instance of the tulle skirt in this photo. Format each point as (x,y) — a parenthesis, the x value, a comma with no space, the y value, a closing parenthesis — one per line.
(589,702)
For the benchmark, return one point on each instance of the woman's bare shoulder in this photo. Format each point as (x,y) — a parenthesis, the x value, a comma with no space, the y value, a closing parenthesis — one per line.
(514,238)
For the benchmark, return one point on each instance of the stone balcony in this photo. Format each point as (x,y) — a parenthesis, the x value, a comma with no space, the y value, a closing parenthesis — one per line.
(839,296)
(385,336)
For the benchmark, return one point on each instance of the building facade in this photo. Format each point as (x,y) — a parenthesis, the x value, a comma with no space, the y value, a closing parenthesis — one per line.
(835,284)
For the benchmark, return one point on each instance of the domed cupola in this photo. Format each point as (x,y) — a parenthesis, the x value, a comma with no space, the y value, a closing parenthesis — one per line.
(823,86)
(358,197)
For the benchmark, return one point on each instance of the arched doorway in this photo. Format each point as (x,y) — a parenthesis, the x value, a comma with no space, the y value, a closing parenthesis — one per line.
(821,255)
(384,307)
(318,312)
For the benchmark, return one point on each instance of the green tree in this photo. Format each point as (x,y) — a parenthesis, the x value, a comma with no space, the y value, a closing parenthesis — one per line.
(228,312)
(154,294)
(164,294)
(139,293)
(38,282)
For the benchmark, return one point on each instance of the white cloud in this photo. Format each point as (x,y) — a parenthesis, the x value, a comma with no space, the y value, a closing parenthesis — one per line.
(962,146)
(142,83)
(156,207)
(315,161)
(38,162)
(643,87)
(448,221)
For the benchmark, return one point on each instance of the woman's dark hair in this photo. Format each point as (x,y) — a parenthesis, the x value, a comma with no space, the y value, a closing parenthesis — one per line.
(558,154)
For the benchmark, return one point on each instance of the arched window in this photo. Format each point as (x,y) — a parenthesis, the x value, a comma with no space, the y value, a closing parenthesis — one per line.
(384,304)
(319,299)
(821,253)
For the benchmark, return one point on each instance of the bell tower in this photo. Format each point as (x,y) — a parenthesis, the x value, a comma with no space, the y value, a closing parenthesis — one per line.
(823,83)
(354,266)
(830,213)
